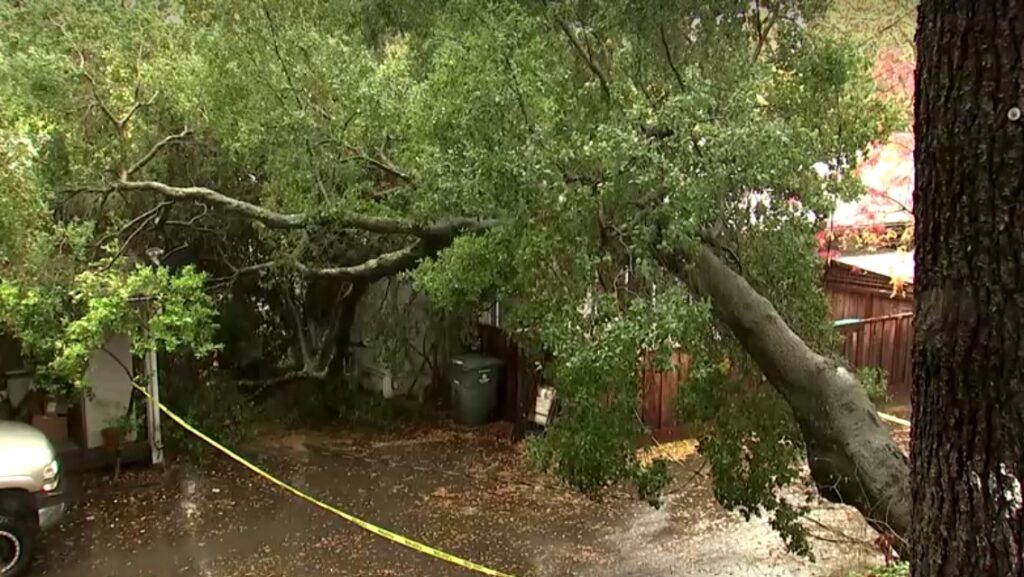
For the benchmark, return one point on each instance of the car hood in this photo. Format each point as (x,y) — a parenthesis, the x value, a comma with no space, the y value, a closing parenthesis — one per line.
(24,450)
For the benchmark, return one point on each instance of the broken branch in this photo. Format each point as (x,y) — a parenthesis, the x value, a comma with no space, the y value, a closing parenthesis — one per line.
(375,268)
(164,142)
(671,61)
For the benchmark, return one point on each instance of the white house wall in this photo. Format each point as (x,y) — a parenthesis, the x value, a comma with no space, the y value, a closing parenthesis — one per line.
(110,386)
(394,377)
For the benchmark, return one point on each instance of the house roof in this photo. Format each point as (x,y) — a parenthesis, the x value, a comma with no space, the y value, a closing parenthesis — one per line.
(888,175)
(892,264)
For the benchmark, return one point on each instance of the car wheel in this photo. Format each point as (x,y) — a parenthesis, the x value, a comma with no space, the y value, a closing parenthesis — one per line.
(17,540)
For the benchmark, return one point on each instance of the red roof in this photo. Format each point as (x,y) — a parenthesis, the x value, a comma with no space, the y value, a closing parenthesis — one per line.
(896,265)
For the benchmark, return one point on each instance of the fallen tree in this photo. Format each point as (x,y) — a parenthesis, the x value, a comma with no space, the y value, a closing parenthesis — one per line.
(545,154)
(851,454)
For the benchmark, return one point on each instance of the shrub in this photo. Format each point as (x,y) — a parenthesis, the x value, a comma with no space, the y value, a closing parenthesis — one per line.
(217,409)
(876,382)
(897,570)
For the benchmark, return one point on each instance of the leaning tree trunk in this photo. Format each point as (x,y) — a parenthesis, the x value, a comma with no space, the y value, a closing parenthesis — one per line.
(968,395)
(851,455)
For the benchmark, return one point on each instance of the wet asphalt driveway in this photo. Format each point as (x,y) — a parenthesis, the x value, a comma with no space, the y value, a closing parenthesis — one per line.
(465,492)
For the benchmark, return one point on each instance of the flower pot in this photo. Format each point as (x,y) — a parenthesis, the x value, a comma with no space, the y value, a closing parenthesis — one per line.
(112,438)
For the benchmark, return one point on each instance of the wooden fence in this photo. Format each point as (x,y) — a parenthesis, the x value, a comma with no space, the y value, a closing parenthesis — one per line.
(659,393)
(517,387)
(885,342)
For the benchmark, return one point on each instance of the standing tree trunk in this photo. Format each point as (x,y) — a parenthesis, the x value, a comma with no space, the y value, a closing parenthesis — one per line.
(968,396)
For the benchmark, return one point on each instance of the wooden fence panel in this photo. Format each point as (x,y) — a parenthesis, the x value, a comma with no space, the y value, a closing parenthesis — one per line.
(657,394)
(883,342)
(650,399)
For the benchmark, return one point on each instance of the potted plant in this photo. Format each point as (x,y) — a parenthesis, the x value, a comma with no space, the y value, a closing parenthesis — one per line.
(117,430)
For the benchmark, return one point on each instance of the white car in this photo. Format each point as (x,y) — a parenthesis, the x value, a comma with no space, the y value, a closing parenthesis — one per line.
(30,494)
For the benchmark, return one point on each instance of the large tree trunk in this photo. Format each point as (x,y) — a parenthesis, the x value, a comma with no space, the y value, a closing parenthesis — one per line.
(968,437)
(852,458)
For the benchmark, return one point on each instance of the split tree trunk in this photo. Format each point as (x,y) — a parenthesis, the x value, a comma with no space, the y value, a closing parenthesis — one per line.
(968,395)
(852,458)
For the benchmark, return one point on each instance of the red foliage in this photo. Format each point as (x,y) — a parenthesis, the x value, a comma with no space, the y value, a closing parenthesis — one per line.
(828,254)
(887,173)
(894,73)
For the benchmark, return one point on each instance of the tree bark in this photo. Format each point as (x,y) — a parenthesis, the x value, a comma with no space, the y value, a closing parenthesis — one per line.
(968,394)
(343,335)
(851,455)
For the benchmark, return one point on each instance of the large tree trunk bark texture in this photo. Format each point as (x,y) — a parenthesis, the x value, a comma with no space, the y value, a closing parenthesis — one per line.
(968,395)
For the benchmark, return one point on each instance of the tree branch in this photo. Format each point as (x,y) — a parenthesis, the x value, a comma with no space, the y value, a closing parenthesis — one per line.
(383,165)
(149,216)
(763,28)
(602,77)
(191,223)
(96,96)
(261,385)
(299,326)
(514,84)
(142,218)
(120,125)
(215,199)
(280,58)
(136,105)
(166,141)
(671,61)
(297,220)
(375,268)
(381,266)
(279,220)
(328,341)
(253,268)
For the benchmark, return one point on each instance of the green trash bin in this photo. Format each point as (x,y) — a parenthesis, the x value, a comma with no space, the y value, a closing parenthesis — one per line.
(474,388)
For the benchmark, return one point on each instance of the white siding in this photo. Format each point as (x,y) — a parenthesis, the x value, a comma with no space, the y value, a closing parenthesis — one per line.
(409,374)
(110,388)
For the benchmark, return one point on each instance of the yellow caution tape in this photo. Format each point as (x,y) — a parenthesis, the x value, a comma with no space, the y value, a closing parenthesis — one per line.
(365,525)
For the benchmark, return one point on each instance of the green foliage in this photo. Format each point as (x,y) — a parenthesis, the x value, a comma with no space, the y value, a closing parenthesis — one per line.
(897,570)
(604,136)
(465,272)
(754,448)
(155,309)
(880,24)
(539,454)
(127,424)
(885,30)
(876,382)
(652,480)
(592,443)
(214,407)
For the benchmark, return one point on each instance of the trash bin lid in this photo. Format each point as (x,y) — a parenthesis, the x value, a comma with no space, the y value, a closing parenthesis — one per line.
(475,361)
